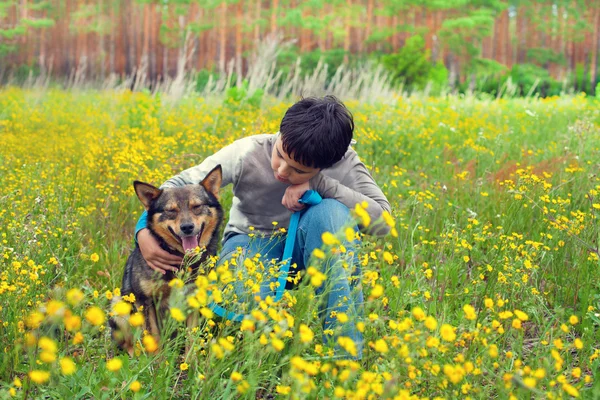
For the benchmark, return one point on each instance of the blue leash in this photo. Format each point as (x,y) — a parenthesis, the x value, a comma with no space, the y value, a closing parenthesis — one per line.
(310,198)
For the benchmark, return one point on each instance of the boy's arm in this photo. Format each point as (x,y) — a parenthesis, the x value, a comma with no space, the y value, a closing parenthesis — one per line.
(357,186)
(229,157)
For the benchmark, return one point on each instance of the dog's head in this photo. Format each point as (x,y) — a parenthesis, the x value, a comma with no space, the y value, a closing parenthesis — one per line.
(184,217)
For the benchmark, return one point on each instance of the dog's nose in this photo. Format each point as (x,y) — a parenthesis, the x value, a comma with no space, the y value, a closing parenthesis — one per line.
(187,228)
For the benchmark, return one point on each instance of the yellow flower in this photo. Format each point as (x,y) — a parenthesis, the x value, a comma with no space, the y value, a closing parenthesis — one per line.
(573,320)
(177,314)
(136,319)
(55,308)
(376,292)
(67,366)
(47,357)
(493,351)
(150,343)
(363,215)
(72,323)
(183,366)
(78,338)
(74,296)
(516,323)
(388,257)
(277,344)
(350,234)
(571,391)
(236,376)
(95,316)
(114,364)
(530,382)
(521,315)
(47,344)
(283,389)
(135,386)
(489,303)
(389,220)
(578,343)
(381,346)
(505,314)
(306,334)
(318,253)
(38,376)
(431,323)
(348,344)
(418,313)
(94,257)
(342,317)
(329,239)
(247,325)
(447,332)
(34,320)
(470,313)
(122,308)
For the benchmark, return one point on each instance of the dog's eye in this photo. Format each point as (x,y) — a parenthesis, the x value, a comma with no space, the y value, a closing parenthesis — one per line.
(198,208)
(171,211)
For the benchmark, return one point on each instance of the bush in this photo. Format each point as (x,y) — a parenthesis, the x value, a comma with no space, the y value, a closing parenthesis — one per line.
(411,65)
(525,77)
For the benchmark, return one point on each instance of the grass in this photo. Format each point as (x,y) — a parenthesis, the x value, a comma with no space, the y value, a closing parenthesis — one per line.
(488,289)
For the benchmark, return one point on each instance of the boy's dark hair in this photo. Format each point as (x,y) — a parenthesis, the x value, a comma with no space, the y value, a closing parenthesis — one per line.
(316,132)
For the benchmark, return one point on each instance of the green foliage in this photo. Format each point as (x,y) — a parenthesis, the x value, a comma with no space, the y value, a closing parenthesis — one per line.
(239,97)
(411,64)
(309,61)
(542,56)
(529,76)
(580,83)
(438,77)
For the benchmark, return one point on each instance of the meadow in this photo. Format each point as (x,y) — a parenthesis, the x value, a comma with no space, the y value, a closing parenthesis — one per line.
(487,287)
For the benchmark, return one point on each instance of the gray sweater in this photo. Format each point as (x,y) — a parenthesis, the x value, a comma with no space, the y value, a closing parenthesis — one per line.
(257,195)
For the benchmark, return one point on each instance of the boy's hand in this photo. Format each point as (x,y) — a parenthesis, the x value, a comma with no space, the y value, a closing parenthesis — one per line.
(157,258)
(292,194)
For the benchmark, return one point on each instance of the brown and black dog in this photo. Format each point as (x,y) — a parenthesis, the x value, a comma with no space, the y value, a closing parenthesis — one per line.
(181,219)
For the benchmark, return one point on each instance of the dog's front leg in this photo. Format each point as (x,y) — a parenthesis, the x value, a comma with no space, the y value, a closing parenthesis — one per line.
(151,320)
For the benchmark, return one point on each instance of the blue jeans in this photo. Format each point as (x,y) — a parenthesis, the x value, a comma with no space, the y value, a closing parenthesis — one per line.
(344,294)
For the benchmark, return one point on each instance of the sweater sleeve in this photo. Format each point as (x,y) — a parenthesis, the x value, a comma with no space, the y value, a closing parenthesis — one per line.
(355,187)
(229,157)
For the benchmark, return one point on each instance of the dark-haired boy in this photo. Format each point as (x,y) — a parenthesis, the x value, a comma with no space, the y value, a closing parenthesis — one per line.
(270,173)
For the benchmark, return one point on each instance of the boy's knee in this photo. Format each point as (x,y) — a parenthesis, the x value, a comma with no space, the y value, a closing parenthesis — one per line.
(328,215)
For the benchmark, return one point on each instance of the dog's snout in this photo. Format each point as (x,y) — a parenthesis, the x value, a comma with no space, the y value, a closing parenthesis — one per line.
(187,229)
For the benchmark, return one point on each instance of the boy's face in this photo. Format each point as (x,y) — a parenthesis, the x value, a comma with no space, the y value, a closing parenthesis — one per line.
(288,171)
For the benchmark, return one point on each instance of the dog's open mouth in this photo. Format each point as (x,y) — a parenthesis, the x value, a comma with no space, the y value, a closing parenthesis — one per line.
(189,243)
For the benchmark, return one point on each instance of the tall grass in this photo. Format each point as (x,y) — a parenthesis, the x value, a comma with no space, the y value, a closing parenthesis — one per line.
(488,287)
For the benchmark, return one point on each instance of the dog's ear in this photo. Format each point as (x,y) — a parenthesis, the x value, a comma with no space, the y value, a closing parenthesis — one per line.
(212,181)
(146,193)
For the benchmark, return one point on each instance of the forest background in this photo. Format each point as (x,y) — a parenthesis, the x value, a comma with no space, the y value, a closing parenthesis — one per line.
(516,47)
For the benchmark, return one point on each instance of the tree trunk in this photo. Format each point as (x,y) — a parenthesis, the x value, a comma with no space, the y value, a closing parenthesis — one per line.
(347,37)
(594,51)
(222,36)
(274,12)
(238,41)
(257,10)
(369,22)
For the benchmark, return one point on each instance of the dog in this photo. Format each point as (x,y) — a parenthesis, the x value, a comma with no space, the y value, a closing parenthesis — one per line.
(181,219)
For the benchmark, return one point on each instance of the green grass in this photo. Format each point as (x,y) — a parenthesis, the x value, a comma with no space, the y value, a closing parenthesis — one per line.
(495,200)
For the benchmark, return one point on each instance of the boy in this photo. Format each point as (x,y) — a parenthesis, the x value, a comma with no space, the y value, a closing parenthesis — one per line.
(270,173)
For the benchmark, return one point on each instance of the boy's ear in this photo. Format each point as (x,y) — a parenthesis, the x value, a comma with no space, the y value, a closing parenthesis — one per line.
(146,193)
(212,181)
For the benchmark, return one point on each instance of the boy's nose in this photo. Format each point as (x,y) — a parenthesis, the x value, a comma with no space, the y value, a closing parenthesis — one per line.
(283,171)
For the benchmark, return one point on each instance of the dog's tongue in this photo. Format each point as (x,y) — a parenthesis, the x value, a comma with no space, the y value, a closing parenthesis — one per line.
(189,243)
